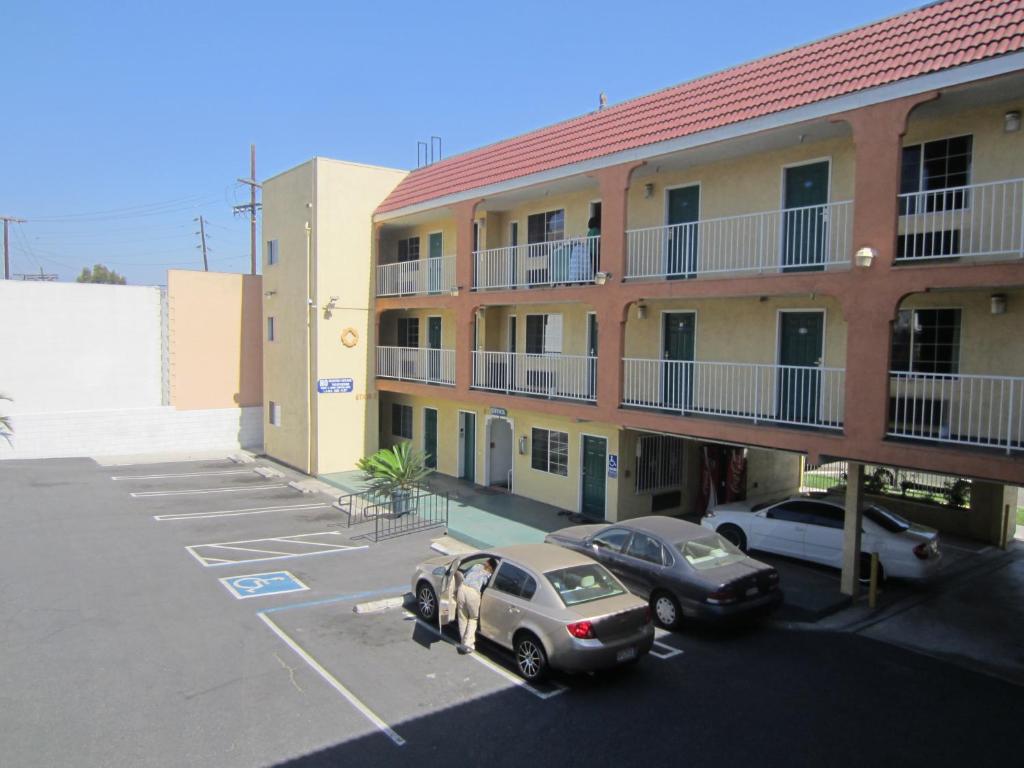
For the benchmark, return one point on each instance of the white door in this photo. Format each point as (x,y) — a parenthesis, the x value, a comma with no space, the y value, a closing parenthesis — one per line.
(780,529)
(823,539)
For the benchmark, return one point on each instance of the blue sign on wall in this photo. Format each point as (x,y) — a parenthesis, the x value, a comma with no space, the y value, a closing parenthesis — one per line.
(261,584)
(613,465)
(333,386)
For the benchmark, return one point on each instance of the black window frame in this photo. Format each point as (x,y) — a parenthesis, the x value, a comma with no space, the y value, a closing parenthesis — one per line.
(545,227)
(935,165)
(524,585)
(408,249)
(401,416)
(406,329)
(916,345)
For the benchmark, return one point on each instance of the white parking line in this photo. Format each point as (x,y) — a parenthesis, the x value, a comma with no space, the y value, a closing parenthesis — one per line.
(559,688)
(352,699)
(237,512)
(667,653)
(185,474)
(204,553)
(201,491)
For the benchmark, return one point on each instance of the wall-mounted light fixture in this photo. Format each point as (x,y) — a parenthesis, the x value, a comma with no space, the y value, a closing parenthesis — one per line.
(998,303)
(648,190)
(522,445)
(455,291)
(641,311)
(1011,122)
(600,278)
(864,256)
(481,312)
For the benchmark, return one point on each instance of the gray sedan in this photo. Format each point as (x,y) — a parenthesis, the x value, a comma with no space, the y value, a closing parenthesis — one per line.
(553,608)
(679,567)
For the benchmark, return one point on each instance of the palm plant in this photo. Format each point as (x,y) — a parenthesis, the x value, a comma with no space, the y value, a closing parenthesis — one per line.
(6,430)
(395,470)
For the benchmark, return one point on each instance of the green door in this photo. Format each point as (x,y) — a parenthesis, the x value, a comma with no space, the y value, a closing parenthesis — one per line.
(468,447)
(435,266)
(683,209)
(677,349)
(595,454)
(803,221)
(800,353)
(430,436)
(434,348)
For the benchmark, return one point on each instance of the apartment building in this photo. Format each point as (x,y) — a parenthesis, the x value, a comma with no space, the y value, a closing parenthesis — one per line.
(818,254)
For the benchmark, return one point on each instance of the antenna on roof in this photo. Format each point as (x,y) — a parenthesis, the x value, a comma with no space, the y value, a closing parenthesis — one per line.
(428,154)
(602,101)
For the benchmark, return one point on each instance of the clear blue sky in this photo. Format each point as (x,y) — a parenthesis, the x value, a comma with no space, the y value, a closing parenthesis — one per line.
(140,115)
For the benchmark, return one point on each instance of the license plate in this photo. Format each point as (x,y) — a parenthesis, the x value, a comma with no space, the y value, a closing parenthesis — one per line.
(752,591)
(626,654)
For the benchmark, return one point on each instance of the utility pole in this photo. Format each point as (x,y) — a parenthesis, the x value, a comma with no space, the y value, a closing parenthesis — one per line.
(202,240)
(7,247)
(252,206)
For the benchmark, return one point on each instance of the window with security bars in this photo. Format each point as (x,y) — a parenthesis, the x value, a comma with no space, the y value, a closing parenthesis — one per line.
(926,341)
(659,463)
(550,451)
(935,165)
(401,420)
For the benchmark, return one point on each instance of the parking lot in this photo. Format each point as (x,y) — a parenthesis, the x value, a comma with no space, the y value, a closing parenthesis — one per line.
(185,612)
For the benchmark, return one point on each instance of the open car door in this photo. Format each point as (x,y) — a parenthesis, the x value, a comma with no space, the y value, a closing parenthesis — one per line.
(446,598)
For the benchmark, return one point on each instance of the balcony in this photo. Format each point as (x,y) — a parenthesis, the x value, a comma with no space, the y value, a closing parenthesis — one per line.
(420,277)
(574,260)
(552,376)
(975,221)
(959,409)
(781,394)
(430,366)
(792,240)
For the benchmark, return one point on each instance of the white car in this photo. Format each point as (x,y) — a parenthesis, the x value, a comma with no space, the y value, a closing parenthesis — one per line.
(811,528)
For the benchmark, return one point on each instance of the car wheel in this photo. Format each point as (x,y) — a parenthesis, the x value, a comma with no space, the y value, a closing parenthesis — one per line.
(531,661)
(734,535)
(426,602)
(666,610)
(865,569)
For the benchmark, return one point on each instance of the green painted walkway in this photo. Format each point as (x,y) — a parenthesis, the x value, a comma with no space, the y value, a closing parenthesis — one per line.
(482,517)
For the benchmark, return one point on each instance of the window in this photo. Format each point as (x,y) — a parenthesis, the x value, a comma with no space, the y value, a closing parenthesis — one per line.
(274,410)
(824,515)
(401,420)
(613,540)
(935,165)
(550,451)
(272,253)
(514,581)
(270,329)
(545,227)
(789,511)
(583,583)
(408,332)
(644,547)
(659,462)
(543,334)
(710,552)
(926,341)
(409,249)
(513,234)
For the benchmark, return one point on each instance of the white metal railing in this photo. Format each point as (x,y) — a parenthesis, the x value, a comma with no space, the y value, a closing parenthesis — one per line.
(421,276)
(954,408)
(794,239)
(785,394)
(574,260)
(974,220)
(569,377)
(433,366)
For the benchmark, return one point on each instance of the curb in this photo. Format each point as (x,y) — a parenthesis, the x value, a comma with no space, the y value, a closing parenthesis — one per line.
(376,606)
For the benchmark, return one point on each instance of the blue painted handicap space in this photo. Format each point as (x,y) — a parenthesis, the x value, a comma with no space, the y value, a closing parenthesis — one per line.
(262,584)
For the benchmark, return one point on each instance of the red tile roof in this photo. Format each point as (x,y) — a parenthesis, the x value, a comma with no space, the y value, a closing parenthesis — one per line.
(925,40)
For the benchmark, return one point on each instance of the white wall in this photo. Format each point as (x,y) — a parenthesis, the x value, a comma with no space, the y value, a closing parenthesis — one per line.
(78,346)
(162,429)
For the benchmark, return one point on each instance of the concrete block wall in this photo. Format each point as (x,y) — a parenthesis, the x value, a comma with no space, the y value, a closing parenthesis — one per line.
(160,429)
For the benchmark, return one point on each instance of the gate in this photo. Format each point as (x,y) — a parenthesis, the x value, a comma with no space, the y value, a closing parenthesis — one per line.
(396,515)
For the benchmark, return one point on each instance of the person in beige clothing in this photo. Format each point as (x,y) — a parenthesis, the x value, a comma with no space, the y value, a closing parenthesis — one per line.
(467,602)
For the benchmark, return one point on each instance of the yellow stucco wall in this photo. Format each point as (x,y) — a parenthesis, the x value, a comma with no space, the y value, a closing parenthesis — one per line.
(215,339)
(494,326)
(393,232)
(389,326)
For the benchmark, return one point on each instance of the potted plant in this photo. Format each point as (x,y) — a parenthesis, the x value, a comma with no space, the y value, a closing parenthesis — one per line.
(395,473)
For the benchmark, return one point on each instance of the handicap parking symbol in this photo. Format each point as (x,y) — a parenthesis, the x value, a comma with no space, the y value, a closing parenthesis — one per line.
(261,584)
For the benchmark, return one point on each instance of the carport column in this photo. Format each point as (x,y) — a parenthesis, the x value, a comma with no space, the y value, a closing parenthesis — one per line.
(464,214)
(852,522)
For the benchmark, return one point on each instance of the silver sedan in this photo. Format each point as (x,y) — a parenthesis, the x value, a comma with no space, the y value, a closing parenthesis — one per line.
(554,609)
